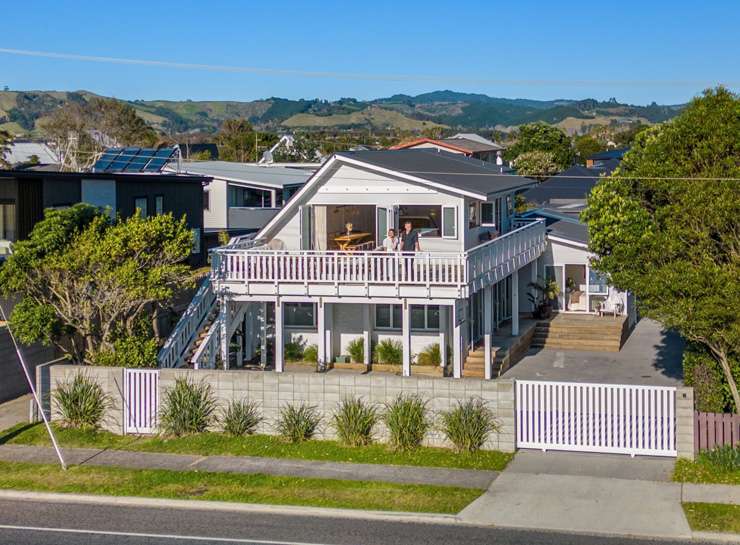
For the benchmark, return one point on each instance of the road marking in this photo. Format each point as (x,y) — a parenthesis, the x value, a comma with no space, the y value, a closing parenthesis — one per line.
(155,536)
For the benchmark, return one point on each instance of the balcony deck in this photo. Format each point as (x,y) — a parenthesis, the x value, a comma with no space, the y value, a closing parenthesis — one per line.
(258,272)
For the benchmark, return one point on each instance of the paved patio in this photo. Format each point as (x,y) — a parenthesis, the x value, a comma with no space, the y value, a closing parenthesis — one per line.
(651,355)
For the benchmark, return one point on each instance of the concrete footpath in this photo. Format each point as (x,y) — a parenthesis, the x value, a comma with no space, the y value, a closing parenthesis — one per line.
(589,493)
(253,464)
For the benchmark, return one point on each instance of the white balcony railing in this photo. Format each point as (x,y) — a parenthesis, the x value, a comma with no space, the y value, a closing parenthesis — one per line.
(261,265)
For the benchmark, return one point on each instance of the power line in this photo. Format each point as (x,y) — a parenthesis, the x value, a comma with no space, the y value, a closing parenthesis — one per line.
(320,74)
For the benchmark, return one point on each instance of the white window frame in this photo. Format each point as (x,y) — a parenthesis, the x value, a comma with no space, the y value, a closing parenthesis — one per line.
(492,204)
(398,327)
(454,222)
(315,318)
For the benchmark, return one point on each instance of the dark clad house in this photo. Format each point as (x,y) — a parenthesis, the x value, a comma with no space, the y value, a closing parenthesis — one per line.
(24,194)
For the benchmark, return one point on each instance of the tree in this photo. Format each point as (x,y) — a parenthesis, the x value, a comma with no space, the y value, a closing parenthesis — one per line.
(665,226)
(586,145)
(236,141)
(625,138)
(90,285)
(536,164)
(81,130)
(542,137)
(5,139)
(302,150)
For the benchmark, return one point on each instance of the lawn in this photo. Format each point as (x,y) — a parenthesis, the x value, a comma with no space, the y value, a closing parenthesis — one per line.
(704,470)
(207,444)
(713,517)
(188,485)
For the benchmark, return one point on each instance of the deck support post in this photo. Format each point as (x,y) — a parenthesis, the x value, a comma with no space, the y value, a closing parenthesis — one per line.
(533,278)
(263,334)
(242,338)
(487,331)
(515,303)
(406,337)
(457,321)
(444,328)
(321,327)
(279,337)
(224,332)
(367,333)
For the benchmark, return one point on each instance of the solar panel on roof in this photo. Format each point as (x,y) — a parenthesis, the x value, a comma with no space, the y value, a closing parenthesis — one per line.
(133,159)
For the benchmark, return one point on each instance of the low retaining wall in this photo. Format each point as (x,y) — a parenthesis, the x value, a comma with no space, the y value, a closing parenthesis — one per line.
(274,390)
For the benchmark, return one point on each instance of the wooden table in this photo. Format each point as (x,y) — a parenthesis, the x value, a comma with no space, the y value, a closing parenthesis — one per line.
(344,241)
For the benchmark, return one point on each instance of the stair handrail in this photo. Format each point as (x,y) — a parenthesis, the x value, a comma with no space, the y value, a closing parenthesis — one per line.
(207,343)
(177,344)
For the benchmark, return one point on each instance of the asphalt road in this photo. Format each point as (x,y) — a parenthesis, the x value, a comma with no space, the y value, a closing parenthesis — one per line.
(42,523)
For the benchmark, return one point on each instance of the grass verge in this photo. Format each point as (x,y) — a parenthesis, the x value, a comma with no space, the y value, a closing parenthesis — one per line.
(713,517)
(268,489)
(217,444)
(703,470)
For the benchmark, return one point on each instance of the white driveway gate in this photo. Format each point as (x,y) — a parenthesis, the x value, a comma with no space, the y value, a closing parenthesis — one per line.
(140,400)
(596,417)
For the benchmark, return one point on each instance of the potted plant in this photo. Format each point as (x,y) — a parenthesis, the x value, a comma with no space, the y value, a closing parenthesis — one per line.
(546,291)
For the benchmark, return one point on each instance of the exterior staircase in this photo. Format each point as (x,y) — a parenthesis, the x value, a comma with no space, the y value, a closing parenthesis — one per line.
(581,332)
(202,334)
(474,365)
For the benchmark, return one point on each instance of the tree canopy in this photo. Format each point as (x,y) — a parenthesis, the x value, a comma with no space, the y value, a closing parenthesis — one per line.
(585,146)
(5,140)
(238,141)
(536,164)
(90,285)
(543,137)
(665,226)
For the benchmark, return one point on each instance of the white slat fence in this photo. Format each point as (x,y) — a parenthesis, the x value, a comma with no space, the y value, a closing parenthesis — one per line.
(140,400)
(615,418)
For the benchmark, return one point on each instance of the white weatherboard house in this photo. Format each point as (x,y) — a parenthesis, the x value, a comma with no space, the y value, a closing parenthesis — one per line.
(301,277)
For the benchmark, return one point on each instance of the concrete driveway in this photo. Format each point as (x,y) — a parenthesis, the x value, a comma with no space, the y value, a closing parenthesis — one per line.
(651,355)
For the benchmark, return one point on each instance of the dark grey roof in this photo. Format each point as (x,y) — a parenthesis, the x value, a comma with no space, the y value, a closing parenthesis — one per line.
(573,184)
(471,145)
(609,154)
(450,169)
(561,225)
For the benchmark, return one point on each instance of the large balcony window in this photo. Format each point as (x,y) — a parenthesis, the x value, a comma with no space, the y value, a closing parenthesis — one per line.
(426,219)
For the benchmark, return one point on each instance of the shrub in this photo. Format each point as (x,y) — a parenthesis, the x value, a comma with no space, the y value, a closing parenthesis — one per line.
(188,407)
(240,417)
(356,350)
(294,349)
(431,355)
(468,425)
(311,353)
(726,458)
(298,423)
(133,351)
(703,373)
(354,422)
(81,402)
(389,351)
(407,421)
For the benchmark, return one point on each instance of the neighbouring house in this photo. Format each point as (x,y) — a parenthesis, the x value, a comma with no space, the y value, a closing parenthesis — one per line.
(310,277)
(470,145)
(22,152)
(242,197)
(567,261)
(570,188)
(25,194)
(603,157)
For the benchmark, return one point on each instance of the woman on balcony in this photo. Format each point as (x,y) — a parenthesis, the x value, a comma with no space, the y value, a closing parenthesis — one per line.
(390,243)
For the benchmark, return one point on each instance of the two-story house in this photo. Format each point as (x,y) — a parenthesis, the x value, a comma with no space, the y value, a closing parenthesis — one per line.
(317,269)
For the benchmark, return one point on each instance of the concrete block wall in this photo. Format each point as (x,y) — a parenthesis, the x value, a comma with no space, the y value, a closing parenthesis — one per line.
(685,422)
(110,380)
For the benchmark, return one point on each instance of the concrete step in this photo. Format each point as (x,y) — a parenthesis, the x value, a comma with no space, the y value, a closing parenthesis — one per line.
(574,345)
(591,336)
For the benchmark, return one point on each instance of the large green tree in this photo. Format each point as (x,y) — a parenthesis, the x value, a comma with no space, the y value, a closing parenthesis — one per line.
(542,137)
(666,226)
(585,146)
(90,285)
(537,164)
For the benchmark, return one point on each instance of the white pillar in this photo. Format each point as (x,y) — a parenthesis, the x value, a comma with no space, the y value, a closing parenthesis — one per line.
(406,337)
(488,330)
(328,336)
(443,329)
(273,198)
(456,341)
(263,334)
(321,330)
(224,333)
(534,277)
(515,304)
(279,340)
(367,332)
(242,340)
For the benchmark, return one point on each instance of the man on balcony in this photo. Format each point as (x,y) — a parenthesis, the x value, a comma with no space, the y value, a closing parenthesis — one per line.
(409,239)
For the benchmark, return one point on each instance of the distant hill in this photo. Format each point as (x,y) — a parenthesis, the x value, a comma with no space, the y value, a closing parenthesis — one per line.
(21,111)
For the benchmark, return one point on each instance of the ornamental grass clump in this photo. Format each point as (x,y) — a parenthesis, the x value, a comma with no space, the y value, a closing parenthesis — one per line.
(725,458)
(241,417)
(389,351)
(298,423)
(354,421)
(431,355)
(468,425)
(81,403)
(188,407)
(356,350)
(407,422)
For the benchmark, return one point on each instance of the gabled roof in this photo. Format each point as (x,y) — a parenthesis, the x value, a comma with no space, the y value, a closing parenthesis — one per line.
(473,137)
(249,173)
(561,226)
(455,172)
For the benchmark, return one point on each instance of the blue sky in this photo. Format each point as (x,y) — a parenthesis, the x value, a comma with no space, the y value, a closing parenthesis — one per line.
(644,51)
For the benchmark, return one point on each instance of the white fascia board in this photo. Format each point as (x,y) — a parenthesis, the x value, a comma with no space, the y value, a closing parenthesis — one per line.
(566,241)
(297,199)
(414,179)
